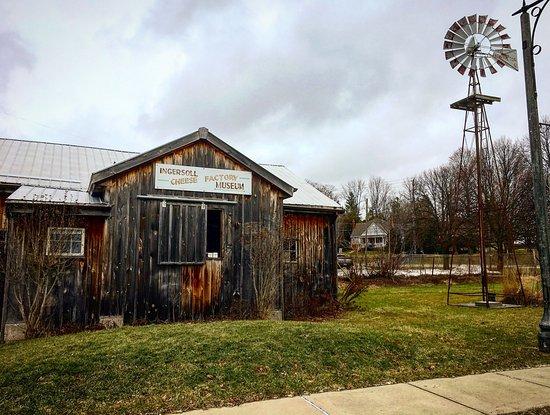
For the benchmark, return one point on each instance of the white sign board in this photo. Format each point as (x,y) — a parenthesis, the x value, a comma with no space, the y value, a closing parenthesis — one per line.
(201,179)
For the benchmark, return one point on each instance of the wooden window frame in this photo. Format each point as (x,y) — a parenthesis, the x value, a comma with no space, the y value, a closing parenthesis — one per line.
(71,230)
(289,260)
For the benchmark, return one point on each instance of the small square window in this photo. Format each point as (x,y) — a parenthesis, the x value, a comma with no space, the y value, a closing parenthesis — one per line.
(290,253)
(65,241)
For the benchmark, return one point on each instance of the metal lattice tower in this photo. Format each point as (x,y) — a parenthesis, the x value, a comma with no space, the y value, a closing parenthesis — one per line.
(474,45)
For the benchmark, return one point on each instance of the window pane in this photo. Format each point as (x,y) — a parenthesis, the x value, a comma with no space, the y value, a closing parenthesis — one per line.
(76,246)
(290,250)
(65,241)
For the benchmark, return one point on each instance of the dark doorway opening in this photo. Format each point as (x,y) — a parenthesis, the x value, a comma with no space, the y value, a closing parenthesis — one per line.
(214,233)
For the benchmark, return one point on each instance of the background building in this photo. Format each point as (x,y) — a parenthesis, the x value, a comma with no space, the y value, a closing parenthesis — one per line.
(373,233)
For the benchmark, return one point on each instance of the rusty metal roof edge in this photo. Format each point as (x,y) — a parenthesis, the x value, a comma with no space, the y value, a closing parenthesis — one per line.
(316,208)
(26,194)
(104,205)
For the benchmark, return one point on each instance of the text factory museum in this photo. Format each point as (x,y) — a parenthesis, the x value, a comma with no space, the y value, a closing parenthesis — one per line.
(192,229)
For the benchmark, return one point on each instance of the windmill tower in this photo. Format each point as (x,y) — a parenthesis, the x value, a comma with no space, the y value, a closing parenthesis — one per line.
(475,46)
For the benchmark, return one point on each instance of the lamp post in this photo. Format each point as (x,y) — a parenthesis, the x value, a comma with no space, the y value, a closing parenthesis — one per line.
(530,49)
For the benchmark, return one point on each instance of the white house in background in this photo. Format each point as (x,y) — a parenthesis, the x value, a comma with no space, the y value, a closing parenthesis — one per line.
(373,233)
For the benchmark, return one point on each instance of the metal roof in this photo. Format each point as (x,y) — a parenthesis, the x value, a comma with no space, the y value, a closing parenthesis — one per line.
(31,194)
(201,134)
(47,170)
(306,195)
(53,165)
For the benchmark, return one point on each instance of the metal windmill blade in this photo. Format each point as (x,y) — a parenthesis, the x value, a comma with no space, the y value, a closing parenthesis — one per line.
(478,44)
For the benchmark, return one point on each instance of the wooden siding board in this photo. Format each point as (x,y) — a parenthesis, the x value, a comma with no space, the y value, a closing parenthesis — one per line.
(3,218)
(202,290)
(192,291)
(313,275)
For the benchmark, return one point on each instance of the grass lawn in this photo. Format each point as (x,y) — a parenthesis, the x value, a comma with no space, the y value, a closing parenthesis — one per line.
(396,334)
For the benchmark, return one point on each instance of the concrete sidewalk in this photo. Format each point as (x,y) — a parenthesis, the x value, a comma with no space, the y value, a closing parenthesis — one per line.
(489,393)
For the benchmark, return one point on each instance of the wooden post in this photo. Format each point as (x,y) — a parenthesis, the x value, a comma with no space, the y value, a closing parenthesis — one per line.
(4,304)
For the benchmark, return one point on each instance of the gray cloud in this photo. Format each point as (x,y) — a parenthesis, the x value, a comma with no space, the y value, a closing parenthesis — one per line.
(335,90)
(312,68)
(13,54)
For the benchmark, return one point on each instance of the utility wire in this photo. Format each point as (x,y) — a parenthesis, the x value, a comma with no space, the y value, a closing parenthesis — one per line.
(56,129)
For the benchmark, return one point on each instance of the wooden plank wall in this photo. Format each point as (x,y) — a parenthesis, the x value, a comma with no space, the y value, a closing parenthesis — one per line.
(3,218)
(136,285)
(3,227)
(312,278)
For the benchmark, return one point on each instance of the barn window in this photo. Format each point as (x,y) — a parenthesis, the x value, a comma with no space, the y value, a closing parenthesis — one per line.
(65,241)
(213,233)
(290,250)
(182,233)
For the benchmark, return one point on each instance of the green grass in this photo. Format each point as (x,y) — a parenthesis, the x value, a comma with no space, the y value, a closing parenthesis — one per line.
(395,334)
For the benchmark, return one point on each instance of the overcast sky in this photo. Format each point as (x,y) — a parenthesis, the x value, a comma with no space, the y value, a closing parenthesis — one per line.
(335,90)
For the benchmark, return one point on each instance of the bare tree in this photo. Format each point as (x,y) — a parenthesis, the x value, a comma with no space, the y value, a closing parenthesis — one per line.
(411,221)
(265,259)
(545,140)
(36,265)
(436,193)
(379,197)
(508,196)
(328,190)
(353,193)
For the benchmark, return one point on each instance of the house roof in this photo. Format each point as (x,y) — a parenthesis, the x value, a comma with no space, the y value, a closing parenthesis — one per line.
(200,134)
(29,194)
(45,169)
(361,227)
(306,196)
(63,166)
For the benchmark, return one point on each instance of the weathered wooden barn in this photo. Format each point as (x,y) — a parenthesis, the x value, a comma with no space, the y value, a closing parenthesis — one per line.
(187,230)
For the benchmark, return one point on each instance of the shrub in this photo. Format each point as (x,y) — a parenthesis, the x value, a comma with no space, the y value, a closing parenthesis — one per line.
(385,265)
(354,280)
(512,291)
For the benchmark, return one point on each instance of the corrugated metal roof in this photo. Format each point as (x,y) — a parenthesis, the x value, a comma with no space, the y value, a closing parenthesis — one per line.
(306,195)
(51,195)
(53,165)
(46,170)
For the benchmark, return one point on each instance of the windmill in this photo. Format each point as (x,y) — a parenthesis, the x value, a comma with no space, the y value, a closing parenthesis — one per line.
(476,46)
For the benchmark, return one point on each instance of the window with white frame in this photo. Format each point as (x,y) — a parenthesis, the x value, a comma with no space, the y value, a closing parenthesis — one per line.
(290,251)
(65,241)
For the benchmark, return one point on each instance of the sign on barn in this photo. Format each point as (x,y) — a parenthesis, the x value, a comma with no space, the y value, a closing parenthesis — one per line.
(201,179)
